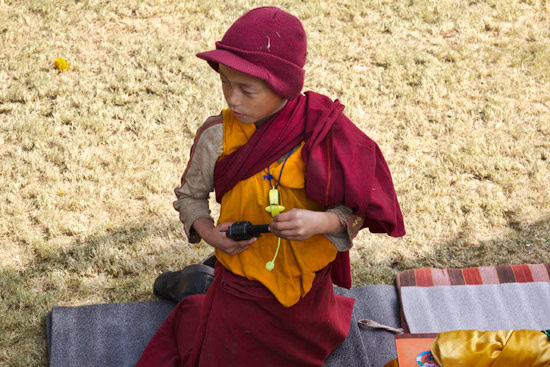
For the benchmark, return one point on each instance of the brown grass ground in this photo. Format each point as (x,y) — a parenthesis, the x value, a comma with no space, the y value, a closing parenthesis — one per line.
(456,93)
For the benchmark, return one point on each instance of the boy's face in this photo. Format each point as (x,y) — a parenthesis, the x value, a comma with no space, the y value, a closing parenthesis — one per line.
(250,98)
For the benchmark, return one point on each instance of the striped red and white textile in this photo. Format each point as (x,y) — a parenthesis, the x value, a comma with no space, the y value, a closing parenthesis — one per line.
(430,277)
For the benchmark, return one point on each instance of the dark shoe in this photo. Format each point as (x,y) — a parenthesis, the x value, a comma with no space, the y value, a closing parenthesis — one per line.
(210,260)
(175,285)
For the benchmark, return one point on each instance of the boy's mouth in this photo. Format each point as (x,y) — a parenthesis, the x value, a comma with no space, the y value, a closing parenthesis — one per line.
(238,114)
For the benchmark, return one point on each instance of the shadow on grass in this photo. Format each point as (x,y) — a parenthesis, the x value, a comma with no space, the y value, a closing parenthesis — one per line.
(524,245)
(26,296)
(103,252)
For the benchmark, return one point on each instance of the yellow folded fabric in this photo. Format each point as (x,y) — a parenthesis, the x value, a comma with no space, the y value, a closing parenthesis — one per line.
(503,348)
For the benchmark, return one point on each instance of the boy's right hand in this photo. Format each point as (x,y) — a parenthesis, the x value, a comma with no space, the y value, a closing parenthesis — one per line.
(214,236)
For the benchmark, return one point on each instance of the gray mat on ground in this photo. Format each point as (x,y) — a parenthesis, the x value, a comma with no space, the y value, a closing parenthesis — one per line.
(365,346)
(116,334)
(507,306)
(103,335)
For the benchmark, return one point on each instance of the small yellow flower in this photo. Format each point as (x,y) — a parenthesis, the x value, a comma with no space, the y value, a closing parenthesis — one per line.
(61,64)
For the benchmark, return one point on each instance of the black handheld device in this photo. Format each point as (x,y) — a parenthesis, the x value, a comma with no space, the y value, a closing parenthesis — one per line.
(242,231)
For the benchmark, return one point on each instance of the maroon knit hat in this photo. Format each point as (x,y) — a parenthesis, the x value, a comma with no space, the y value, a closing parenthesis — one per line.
(267,43)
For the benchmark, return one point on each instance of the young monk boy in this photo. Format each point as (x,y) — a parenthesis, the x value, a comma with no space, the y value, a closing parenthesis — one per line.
(272,302)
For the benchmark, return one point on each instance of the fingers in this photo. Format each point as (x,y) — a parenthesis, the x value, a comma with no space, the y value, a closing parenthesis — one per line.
(293,231)
(218,239)
(287,221)
(232,247)
(236,247)
(287,216)
(294,225)
(225,225)
(293,235)
(285,226)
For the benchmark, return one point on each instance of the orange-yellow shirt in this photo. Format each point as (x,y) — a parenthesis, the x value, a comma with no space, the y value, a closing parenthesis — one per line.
(297,261)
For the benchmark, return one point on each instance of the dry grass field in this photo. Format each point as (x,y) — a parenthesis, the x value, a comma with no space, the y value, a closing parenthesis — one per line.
(456,93)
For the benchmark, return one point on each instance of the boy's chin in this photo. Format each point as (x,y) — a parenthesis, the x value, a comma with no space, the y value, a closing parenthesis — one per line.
(246,119)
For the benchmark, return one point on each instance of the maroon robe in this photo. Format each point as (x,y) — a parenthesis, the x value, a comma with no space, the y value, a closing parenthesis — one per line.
(239,322)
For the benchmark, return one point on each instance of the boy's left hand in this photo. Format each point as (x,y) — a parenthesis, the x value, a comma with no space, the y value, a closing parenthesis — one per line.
(301,224)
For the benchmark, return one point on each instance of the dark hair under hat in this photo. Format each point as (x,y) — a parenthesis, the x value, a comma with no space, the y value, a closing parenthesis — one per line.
(267,43)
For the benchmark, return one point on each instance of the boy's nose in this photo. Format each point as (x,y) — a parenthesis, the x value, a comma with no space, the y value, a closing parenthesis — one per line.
(233,97)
